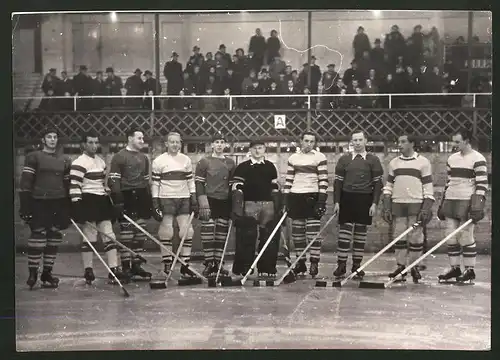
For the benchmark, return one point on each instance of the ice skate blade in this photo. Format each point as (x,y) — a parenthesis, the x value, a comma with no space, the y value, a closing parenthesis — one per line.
(264,283)
(189,281)
(328,283)
(49,286)
(454,282)
(157,285)
(371,285)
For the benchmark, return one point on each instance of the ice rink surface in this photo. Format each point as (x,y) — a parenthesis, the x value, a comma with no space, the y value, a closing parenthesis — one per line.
(294,316)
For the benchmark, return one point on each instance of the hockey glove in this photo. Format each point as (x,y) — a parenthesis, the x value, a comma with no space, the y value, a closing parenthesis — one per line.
(387,209)
(476,210)
(204,208)
(320,206)
(77,212)
(425,214)
(237,204)
(157,212)
(193,205)
(26,208)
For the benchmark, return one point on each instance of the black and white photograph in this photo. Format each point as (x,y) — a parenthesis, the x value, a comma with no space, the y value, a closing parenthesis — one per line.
(260,179)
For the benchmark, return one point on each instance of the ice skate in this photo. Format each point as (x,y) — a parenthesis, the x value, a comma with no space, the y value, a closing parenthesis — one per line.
(415,274)
(360,274)
(468,276)
(210,269)
(340,271)
(396,272)
(187,273)
(454,272)
(33,277)
(119,274)
(138,271)
(223,272)
(301,268)
(49,281)
(89,275)
(313,269)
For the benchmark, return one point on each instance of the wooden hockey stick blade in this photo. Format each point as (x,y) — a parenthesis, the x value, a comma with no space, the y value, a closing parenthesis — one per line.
(189,282)
(232,283)
(328,283)
(371,285)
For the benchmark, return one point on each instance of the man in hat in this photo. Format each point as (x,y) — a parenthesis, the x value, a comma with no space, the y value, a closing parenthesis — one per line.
(173,74)
(255,208)
(44,199)
(360,43)
(83,86)
(394,45)
(377,55)
(225,56)
(415,53)
(151,87)
(196,59)
(114,87)
(257,50)
(273,47)
(174,197)
(212,177)
(315,75)
(135,87)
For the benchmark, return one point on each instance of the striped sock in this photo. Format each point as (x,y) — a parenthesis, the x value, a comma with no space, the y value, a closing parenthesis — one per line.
(299,236)
(126,237)
(186,250)
(313,227)
(344,241)
(400,250)
(469,255)
(359,243)
(454,251)
(87,255)
(138,240)
(207,234)
(36,244)
(221,229)
(111,250)
(415,251)
(54,239)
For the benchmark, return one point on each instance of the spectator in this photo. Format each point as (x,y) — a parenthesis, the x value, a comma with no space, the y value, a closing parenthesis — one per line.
(151,87)
(254,89)
(360,101)
(377,57)
(264,82)
(99,89)
(64,87)
(295,77)
(291,89)
(225,56)
(315,75)
(328,82)
(432,47)
(361,43)
(412,87)
(232,82)
(273,47)
(221,65)
(388,87)
(394,45)
(244,61)
(351,73)
(195,59)
(459,53)
(274,102)
(415,48)
(257,50)
(198,81)
(209,63)
(214,85)
(135,87)
(83,86)
(114,87)
(248,81)
(288,75)
(370,88)
(173,74)
(276,68)
(374,78)
(49,87)
(239,67)
(364,66)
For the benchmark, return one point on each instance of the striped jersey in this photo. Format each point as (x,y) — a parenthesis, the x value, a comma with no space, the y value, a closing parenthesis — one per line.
(467,175)
(306,173)
(212,176)
(409,179)
(45,175)
(129,170)
(87,175)
(172,176)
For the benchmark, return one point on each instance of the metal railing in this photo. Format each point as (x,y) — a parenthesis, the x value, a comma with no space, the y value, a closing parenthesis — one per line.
(255,102)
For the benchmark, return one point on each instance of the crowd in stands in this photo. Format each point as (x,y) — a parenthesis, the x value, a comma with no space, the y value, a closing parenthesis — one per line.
(398,66)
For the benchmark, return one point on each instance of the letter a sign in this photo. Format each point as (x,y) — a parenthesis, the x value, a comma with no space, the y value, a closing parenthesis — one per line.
(279,121)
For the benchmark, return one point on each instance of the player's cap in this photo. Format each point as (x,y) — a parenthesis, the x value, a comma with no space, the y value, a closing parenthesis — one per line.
(49,130)
(256,142)
(218,136)
(147,72)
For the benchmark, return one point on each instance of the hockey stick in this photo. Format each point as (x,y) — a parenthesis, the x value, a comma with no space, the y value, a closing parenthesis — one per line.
(434,248)
(144,231)
(181,244)
(211,282)
(286,254)
(269,239)
(140,257)
(323,283)
(290,268)
(125,292)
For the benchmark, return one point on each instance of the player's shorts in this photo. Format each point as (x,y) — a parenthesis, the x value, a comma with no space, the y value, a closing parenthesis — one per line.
(175,207)
(50,213)
(97,208)
(138,203)
(301,206)
(219,209)
(405,209)
(355,208)
(456,209)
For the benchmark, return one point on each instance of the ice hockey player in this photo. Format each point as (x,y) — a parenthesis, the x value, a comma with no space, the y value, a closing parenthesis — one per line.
(44,200)
(174,196)
(305,194)
(357,190)
(212,177)
(128,181)
(408,197)
(90,204)
(255,207)
(464,198)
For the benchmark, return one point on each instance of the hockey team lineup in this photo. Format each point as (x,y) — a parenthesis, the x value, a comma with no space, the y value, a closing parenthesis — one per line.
(249,201)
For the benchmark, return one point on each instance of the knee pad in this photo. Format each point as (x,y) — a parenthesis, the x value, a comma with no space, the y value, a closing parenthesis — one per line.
(190,232)
(467,236)
(166,231)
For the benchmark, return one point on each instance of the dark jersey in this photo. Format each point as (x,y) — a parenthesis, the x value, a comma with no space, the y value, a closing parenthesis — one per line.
(129,170)
(258,180)
(213,175)
(46,175)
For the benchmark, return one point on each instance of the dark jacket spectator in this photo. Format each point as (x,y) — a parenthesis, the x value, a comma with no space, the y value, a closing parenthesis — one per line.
(83,86)
(224,55)
(187,83)
(99,89)
(291,102)
(361,43)
(151,87)
(274,102)
(207,64)
(315,75)
(276,67)
(232,82)
(364,66)
(257,50)
(415,47)
(221,66)
(377,56)
(394,44)
(254,102)
(195,59)
(65,85)
(248,81)
(173,74)
(135,87)
(388,87)
(273,47)
(351,73)
(198,81)
(114,87)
